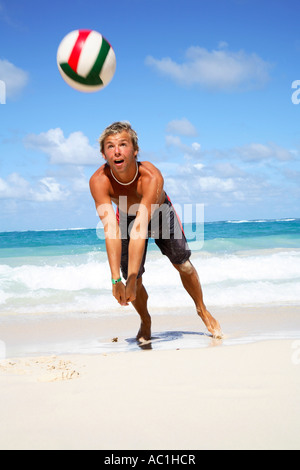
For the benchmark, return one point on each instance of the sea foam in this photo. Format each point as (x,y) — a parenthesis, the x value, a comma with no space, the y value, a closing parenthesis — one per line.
(67,272)
(236,279)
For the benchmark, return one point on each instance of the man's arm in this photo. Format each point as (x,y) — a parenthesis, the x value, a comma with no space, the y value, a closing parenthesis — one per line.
(152,190)
(112,233)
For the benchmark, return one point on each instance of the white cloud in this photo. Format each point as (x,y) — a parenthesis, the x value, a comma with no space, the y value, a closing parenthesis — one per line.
(182,127)
(187,187)
(198,166)
(196,147)
(47,190)
(219,185)
(14,187)
(74,150)
(80,184)
(260,152)
(217,70)
(15,79)
(189,150)
(202,187)
(172,140)
(227,169)
(215,183)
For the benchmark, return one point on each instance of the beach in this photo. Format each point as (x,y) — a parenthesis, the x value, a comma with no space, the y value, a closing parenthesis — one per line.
(184,391)
(180,119)
(72,375)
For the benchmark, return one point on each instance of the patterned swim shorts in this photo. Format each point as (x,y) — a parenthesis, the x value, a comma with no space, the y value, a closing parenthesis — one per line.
(165,228)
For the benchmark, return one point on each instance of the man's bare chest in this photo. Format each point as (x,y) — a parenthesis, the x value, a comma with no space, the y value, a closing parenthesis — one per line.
(127,200)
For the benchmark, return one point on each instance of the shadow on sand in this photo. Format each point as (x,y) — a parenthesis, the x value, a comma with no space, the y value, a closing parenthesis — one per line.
(180,339)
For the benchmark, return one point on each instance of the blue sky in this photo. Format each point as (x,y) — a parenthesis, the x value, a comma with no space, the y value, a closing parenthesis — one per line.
(207,84)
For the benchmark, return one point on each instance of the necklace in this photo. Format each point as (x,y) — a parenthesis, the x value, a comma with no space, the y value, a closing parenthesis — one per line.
(126,184)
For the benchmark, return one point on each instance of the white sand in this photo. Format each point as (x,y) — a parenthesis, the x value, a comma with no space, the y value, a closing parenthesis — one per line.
(228,397)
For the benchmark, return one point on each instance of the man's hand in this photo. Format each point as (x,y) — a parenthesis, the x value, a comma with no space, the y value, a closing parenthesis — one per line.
(130,293)
(119,293)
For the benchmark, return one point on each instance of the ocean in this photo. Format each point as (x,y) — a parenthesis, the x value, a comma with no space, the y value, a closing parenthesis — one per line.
(65,272)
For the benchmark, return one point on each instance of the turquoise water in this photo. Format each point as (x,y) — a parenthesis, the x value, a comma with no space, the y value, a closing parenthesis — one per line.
(226,237)
(66,271)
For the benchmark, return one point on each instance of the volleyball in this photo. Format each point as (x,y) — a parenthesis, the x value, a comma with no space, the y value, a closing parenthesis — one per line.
(86,60)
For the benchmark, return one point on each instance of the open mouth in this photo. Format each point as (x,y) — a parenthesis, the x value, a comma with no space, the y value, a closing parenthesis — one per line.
(119,162)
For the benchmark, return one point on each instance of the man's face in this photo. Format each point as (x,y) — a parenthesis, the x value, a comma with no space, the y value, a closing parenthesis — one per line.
(119,151)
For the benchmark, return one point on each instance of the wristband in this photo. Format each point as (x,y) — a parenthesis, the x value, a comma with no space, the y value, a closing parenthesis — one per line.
(116,281)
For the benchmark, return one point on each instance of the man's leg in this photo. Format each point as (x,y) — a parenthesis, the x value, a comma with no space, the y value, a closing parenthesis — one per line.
(191,283)
(140,304)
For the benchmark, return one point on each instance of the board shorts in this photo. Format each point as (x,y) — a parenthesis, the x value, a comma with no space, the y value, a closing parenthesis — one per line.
(165,228)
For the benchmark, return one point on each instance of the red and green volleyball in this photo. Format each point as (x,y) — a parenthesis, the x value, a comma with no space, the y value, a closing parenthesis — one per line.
(86,60)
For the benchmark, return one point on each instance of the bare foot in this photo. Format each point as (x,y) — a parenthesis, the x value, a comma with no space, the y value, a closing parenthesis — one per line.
(211,324)
(144,333)
(216,331)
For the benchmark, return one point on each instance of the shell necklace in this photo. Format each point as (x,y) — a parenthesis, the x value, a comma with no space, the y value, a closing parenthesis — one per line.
(130,182)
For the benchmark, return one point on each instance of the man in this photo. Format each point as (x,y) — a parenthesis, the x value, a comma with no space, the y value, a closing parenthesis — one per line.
(137,188)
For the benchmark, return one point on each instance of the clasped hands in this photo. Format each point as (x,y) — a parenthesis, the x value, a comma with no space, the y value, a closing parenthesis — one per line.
(125,293)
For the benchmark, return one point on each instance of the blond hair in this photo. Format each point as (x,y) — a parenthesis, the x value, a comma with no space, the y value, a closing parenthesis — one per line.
(117,128)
